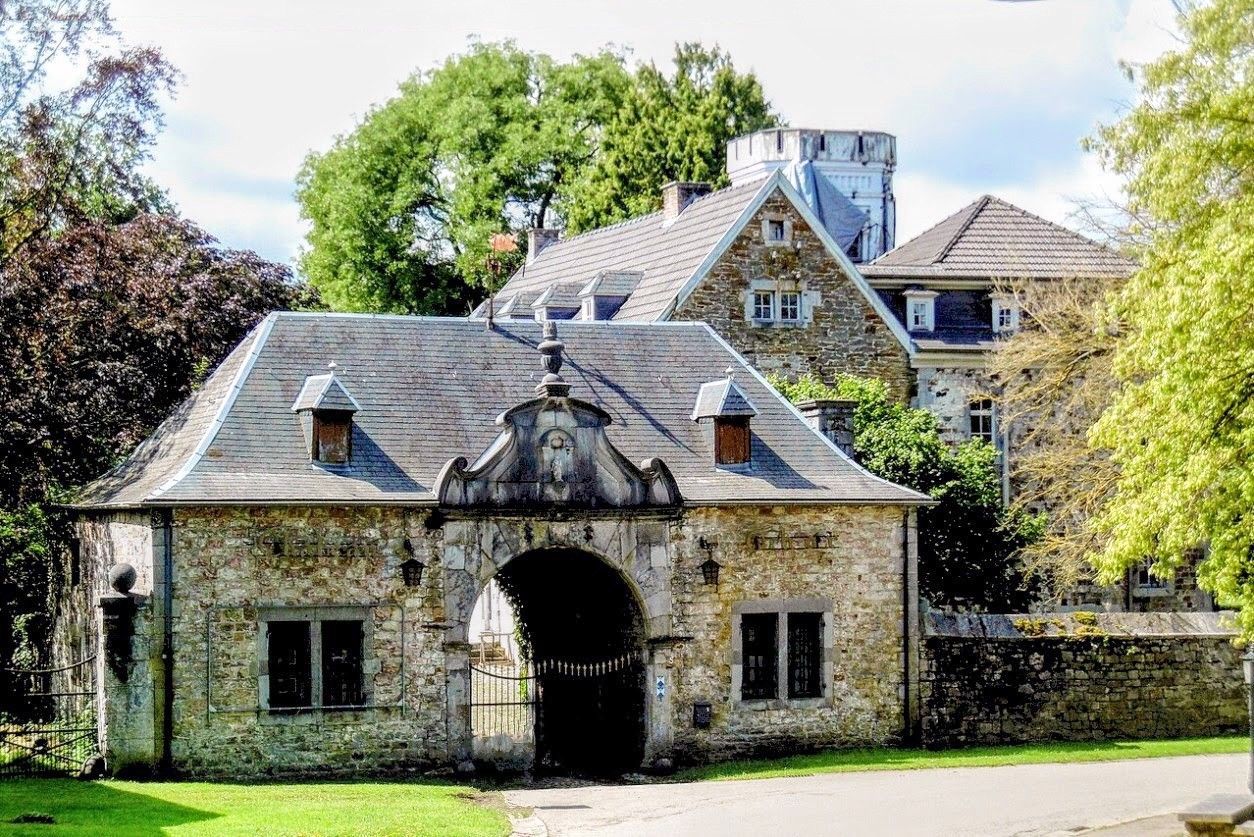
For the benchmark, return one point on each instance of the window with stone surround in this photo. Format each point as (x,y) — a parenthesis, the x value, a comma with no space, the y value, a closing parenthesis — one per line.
(783,651)
(759,638)
(790,306)
(805,654)
(309,662)
(763,305)
(775,230)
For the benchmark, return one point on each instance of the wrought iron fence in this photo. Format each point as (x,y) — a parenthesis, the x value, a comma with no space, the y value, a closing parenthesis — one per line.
(503,700)
(48,721)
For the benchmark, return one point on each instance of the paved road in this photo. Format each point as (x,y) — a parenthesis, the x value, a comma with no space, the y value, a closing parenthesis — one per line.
(1029,800)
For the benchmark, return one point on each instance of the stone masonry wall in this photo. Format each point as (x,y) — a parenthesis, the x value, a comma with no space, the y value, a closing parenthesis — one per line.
(772,555)
(231,565)
(845,334)
(1108,677)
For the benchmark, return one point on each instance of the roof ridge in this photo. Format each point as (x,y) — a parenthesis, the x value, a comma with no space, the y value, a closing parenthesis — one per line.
(976,208)
(946,219)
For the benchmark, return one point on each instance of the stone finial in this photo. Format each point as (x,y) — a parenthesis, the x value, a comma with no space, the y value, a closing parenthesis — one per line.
(122,578)
(553,385)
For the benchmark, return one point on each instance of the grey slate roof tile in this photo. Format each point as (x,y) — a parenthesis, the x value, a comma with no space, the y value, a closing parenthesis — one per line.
(666,254)
(991,238)
(430,390)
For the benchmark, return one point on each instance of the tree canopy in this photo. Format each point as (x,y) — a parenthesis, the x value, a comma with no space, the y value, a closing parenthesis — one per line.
(969,543)
(113,308)
(1181,428)
(401,209)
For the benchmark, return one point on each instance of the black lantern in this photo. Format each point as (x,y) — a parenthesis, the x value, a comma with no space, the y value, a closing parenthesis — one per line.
(411,572)
(709,570)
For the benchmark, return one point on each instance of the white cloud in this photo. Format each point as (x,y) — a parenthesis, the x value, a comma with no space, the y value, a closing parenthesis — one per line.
(983,95)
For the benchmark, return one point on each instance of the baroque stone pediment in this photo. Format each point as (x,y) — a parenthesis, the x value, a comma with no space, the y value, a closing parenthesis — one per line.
(553,451)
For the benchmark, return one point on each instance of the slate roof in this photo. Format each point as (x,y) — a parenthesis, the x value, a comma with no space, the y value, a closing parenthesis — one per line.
(667,254)
(430,389)
(991,238)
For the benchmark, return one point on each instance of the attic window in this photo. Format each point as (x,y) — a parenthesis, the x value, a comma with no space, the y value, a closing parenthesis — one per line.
(332,437)
(920,310)
(731,440)
(775,229)
(1005,315)
(728,410)
(326,409)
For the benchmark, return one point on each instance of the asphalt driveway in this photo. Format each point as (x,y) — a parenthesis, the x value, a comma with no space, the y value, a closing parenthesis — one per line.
(1042,799)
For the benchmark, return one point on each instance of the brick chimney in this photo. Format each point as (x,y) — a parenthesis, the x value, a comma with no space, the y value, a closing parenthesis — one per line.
(676,196)
(538,239)
(833,418)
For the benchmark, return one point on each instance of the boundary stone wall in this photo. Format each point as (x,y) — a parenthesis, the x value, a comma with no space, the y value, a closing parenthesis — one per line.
(1006,679)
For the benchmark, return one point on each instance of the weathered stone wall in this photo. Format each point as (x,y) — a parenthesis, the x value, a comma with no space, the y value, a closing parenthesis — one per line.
(772,555)
(233,564)
(844,333)
(948,392)
(1056,677)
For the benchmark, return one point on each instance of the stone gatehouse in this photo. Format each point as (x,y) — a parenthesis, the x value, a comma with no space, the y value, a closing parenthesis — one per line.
(295,555)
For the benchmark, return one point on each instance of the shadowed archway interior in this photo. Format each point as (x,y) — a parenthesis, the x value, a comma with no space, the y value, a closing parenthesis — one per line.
(582,628)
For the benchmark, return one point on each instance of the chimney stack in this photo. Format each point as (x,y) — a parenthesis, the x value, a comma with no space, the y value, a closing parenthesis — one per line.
(676,196)
(538,239)
(833,418)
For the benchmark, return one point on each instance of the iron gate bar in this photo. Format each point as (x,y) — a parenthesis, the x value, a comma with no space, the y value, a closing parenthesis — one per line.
(50,728)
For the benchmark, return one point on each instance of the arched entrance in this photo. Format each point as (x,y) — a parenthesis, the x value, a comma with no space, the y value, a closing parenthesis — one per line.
(581,634)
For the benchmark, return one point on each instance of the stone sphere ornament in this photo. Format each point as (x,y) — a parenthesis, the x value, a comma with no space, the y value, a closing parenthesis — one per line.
(122,577)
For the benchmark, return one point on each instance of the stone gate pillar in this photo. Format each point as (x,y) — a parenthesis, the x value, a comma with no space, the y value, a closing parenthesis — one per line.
(659,744)
(460,735)
(125,694)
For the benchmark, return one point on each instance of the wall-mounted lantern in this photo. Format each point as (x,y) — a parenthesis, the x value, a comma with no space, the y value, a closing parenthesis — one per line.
(411,572)
(709,571)
(709,567)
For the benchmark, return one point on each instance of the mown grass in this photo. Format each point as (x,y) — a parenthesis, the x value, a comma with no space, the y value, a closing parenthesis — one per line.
(840,761)
(271,809)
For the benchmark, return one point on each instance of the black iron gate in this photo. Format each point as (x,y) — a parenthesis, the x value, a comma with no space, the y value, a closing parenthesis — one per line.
(48,725)
(560,708)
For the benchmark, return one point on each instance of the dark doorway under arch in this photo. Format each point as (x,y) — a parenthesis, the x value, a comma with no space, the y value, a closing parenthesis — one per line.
(583,630)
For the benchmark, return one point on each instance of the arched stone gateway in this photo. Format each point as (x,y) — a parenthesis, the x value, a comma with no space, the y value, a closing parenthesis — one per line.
(578,534)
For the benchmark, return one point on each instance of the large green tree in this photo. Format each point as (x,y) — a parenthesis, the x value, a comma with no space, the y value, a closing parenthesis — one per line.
(401,209)
(969,543)
(670,128)
(1181,428)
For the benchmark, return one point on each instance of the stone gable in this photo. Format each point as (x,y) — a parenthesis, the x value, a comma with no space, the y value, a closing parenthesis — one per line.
(840,331)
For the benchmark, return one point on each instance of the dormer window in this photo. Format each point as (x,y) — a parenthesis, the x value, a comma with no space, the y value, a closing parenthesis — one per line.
(920,310)
(726,410)
(1005,315)
(326,409)
(332,437)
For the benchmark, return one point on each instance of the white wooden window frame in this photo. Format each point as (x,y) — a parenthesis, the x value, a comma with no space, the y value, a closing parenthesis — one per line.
(921,302)
(790,304)
(977,410)
(1010,308)
(762,313)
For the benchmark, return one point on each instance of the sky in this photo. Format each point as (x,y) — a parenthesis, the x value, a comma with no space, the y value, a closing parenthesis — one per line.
(983,95)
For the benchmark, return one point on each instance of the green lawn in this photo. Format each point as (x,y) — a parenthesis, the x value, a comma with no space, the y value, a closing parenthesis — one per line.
(270,809)
(840,761)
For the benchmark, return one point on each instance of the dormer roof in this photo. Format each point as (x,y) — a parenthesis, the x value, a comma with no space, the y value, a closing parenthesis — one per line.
(325,392)
(721,399)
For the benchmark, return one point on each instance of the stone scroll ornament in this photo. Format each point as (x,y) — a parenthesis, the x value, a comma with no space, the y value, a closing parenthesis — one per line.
(553,450)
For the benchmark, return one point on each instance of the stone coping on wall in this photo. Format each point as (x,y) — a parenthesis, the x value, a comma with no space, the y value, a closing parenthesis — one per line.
(1077,623)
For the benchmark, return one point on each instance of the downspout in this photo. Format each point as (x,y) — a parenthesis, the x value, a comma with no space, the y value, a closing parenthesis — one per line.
(906,713)
(167,640)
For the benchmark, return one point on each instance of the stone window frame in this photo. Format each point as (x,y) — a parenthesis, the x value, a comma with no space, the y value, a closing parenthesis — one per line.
(827,659)
(786,224)
(807,301)
(315,615)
